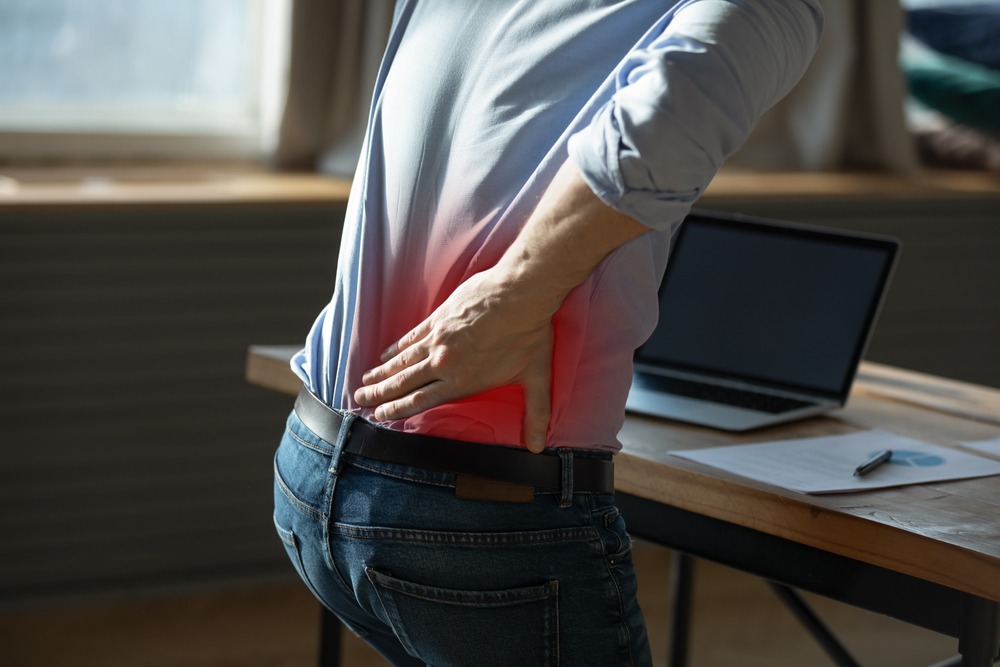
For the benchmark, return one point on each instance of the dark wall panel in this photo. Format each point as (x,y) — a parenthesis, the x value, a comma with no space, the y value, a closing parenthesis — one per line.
(132,451)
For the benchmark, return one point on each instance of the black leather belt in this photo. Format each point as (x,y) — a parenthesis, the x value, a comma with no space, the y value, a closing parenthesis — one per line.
(493,462)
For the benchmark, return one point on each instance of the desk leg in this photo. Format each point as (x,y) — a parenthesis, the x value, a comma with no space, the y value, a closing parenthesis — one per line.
(979,642)
(814,625)
(329,639)
(681,578)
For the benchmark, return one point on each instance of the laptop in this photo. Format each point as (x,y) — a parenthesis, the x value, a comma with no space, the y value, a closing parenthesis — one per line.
(761,322)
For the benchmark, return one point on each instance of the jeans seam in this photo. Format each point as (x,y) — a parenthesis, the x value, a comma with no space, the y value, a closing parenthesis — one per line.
(305,443)
(554,634)
(290,540)
(566,483)
(621,614)
(532,598)
(333,475)
(398,475)
(414,536)
(393,623)
(618,593)
(298,504)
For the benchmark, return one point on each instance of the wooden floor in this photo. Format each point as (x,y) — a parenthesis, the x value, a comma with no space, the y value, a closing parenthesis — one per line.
(737,621)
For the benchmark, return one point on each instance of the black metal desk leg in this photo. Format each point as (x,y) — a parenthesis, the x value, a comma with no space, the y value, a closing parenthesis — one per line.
(329,638)
(816,627)
(681,579)
(979,642)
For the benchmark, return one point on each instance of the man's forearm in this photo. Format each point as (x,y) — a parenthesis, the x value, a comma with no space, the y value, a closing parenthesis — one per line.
(567,236)
(496,328)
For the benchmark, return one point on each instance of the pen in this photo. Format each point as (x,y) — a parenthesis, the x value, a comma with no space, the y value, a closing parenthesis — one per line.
(872,463)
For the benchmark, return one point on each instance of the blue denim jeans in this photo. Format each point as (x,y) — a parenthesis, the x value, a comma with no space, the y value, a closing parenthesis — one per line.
(428,578)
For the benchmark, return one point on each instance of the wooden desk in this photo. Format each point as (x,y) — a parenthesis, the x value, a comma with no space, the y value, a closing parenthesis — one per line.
(926,554)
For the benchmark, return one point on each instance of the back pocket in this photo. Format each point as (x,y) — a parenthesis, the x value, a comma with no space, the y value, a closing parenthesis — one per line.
(444,627)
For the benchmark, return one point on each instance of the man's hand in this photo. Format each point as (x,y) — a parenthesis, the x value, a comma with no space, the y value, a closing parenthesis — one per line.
(482,337)
(496,328)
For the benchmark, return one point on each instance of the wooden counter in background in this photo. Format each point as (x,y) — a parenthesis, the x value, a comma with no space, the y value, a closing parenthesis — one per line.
(164,184)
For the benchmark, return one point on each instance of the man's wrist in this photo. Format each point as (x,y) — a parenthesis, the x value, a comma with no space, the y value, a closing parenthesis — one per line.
(567,236)
(526,283)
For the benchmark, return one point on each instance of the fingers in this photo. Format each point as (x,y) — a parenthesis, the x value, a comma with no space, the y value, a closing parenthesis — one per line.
(404,368)
(410,356)
(395,386)
(411,404)
(416,334)
(536,387)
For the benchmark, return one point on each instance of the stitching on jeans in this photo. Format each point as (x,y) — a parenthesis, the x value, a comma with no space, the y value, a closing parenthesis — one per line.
(553,601)
(462,539)
(618,594)
(461,603)
(400,475)
(390,612)
(285,491)
(582,532)
(455,543)
(305,443)
(499,498)
(621,614)
(290,541)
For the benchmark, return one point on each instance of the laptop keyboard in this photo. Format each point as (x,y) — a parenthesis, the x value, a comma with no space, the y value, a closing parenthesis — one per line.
(740,398)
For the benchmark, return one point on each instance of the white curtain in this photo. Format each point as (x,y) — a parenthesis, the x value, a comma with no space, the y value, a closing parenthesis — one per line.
(847,111)
(336,49)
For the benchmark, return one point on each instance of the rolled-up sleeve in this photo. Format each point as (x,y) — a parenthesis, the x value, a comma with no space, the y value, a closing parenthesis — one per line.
(687,96)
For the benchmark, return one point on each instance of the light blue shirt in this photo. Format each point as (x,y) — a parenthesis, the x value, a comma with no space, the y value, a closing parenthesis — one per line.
(476,106)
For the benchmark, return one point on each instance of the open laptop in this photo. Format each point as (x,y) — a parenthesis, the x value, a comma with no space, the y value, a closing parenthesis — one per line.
(760,322)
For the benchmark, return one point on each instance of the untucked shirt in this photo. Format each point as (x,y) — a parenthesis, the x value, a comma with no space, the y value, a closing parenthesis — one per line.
(476,106)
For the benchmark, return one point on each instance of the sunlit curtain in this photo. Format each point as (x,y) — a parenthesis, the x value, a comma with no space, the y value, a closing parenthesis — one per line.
(335,53)
(847,112)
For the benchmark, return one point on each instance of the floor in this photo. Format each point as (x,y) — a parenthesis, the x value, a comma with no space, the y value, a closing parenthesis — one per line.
(737,621)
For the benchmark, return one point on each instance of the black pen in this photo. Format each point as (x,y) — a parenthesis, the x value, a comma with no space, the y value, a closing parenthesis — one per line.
(872,463)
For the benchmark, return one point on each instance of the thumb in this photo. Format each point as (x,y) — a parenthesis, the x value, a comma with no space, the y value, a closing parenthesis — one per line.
(537,389)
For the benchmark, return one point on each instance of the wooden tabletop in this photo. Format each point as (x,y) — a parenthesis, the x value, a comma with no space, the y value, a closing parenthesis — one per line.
(948,532)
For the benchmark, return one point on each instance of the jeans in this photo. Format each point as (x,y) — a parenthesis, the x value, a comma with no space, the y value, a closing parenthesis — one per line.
(428,578)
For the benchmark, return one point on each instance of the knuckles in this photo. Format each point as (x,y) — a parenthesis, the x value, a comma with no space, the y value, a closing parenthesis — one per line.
(415,403)
(442,357)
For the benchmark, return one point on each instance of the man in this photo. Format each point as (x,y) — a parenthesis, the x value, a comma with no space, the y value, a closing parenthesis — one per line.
(524,168)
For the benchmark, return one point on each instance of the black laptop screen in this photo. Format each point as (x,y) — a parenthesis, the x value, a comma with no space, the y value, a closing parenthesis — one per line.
(786,306)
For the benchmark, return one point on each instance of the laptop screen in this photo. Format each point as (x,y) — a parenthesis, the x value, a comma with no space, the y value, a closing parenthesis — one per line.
(786,306)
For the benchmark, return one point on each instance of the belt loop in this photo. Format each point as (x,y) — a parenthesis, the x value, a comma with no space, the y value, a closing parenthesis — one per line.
(347,419)
(566,499)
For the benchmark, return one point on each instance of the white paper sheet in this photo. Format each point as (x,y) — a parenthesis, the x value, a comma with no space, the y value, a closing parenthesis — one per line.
(826,464)
(987,446)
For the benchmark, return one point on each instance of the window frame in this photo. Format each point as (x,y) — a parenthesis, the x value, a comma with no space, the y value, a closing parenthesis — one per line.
(29,140)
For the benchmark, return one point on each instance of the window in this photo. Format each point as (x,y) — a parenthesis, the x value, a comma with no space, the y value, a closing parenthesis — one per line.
(173,78)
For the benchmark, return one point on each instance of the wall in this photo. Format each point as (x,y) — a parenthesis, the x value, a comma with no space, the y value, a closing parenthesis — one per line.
(132,452)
